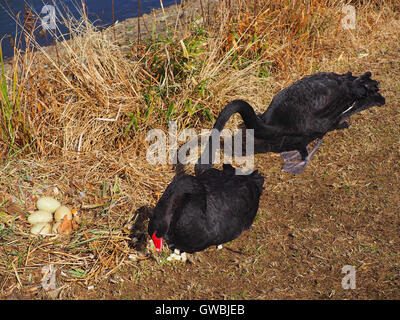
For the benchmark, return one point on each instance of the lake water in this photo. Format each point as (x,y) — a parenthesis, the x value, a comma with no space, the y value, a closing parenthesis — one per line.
(99,11)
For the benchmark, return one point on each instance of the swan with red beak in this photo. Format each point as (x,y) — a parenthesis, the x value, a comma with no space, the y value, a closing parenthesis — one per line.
(208,209)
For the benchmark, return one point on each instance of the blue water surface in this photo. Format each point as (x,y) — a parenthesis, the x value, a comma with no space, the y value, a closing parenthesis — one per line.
(99,12)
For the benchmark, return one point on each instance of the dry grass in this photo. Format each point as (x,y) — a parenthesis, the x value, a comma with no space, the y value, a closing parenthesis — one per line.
(87,110)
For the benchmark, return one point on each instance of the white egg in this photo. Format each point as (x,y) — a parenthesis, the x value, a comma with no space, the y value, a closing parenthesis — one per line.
(61,212)
(42,228)
(48,204)
(40,216)
(55,226)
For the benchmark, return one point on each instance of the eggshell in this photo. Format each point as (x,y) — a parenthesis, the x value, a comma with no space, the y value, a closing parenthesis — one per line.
(61,212)
(55,226)
(40,216)
(183,256)
(43,228)
(48,204)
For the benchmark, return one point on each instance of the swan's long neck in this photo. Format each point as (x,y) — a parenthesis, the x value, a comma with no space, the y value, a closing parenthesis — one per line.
(251,120)
(245,110)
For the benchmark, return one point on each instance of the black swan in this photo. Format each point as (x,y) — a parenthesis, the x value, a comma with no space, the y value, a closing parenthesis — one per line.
(300,114)
(211,208)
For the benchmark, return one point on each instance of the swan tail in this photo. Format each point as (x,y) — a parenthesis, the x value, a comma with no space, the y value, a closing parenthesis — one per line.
(366,92)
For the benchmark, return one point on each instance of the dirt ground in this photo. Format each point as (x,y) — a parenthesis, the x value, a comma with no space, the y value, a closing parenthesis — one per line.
(343,210)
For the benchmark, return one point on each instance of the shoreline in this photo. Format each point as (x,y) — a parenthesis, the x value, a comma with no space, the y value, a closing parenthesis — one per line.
(140,28)
(175,16)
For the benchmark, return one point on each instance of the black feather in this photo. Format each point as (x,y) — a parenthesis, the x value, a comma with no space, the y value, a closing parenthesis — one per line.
(211,208)
(303,112)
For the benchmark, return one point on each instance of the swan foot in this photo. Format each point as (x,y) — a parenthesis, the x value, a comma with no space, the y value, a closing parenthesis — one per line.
(295,167)
(291,155)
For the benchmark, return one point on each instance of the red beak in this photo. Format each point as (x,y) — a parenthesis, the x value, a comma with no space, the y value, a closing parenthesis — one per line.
(157,242)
